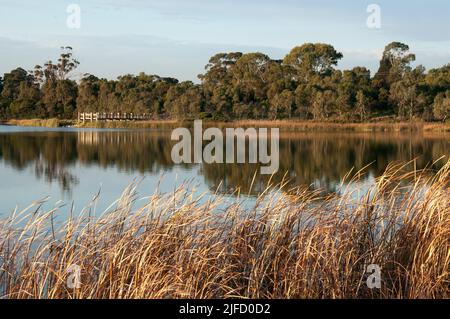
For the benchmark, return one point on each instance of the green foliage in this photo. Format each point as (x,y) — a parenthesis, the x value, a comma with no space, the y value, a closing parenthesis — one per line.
(312,58)
(281,105)
(441,106)
(395,61)
(305,84)
(184,101)
(405,93)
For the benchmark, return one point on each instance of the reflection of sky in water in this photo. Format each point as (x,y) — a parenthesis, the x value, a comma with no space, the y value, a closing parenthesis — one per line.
(22,187)
(32,166)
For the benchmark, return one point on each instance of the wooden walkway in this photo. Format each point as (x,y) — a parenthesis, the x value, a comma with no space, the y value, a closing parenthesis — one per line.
(82,117)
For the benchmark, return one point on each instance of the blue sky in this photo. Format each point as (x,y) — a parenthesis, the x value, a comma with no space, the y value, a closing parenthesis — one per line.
(177,37)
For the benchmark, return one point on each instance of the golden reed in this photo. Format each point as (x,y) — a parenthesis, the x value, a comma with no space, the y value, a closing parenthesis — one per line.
(296,243)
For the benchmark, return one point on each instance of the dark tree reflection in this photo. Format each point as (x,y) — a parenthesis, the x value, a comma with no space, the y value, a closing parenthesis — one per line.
(319,159)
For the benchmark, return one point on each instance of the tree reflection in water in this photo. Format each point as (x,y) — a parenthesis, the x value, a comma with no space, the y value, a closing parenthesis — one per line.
(317,159)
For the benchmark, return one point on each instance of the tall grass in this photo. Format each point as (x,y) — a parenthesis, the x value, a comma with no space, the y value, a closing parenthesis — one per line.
(383,125)
(51,122)
(291,244)
(293,125)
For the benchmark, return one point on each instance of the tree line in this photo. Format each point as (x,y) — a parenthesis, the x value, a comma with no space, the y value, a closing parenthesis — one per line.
(303,85)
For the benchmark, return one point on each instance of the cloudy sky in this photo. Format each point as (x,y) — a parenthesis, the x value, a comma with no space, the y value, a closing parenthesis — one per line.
(177,37)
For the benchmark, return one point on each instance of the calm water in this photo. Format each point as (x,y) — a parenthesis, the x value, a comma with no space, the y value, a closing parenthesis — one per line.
(73,165)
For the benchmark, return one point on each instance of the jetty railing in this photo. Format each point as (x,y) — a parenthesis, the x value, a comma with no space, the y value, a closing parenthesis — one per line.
(82,117)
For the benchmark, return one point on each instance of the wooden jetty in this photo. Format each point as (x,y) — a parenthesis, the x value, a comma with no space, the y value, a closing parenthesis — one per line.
(82,117)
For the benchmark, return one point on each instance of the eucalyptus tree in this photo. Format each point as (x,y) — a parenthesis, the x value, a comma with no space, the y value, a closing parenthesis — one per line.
(19,94)
(27,103)
(88,94)
(355,81)
(441,106)
(362,105)
(280,90)
(437,83)
(312,58)
(281,105)
(184,100)
(59,92)
(216,84)
(250,81)
(11,83)
(323,104)
(405,93)
(309,66)
(395,62)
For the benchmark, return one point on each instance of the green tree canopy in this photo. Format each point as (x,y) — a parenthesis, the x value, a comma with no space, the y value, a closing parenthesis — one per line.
(312,58)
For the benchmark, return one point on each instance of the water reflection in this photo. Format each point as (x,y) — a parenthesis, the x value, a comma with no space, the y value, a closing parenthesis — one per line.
(322,160)
(318,159)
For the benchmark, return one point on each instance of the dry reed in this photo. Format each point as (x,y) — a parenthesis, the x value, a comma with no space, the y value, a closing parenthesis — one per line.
(291,244)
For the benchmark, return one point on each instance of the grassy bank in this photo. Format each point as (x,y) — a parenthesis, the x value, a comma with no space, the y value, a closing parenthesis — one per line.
(378,126)
(284,125)
(297,245)
(53,122)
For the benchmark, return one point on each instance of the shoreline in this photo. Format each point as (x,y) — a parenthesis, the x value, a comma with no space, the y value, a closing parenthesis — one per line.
(292,125)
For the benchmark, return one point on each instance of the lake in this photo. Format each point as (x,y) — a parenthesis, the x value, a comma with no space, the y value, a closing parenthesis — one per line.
(73,165)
